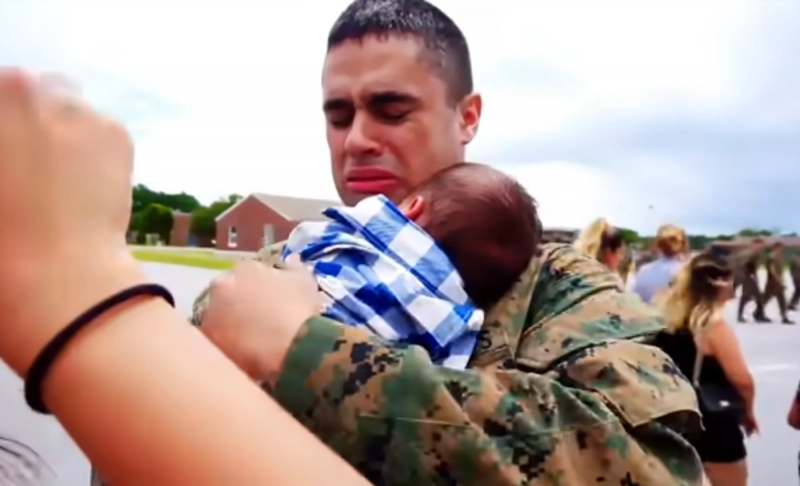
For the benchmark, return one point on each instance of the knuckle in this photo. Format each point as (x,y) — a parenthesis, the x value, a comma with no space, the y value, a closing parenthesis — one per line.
(221,286)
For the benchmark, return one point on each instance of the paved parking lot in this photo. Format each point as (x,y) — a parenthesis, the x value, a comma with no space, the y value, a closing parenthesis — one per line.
(771,350)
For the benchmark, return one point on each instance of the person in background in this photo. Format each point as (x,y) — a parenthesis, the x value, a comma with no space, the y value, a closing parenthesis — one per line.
(602,242)
(673,249)
(794,273)
(626,266)
(776,287)
(693,310)
(794,419)
(745,262)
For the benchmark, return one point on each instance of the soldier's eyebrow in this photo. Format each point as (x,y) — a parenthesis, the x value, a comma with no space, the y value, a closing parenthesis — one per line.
(336,104)
(392,97)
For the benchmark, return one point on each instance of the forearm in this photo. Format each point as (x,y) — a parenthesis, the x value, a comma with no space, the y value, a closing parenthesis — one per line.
(142,372)
(145,396)
(747,390)
(401,420)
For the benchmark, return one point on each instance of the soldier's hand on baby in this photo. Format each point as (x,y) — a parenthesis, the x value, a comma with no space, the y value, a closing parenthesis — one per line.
(255,312)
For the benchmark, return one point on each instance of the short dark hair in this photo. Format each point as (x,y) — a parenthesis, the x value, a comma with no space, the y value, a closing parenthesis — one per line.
(486,223)
(445,47)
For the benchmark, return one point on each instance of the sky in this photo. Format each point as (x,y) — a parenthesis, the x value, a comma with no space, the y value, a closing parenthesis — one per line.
(640,112)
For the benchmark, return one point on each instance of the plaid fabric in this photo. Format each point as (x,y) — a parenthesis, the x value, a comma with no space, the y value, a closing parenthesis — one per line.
(380,270)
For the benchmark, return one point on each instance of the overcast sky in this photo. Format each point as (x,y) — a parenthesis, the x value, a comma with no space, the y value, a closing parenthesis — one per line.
(643,112)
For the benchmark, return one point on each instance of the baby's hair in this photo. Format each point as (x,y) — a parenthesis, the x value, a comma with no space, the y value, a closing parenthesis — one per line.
(486,223)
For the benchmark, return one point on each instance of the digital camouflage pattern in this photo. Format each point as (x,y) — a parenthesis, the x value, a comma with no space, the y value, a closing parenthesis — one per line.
(563,391)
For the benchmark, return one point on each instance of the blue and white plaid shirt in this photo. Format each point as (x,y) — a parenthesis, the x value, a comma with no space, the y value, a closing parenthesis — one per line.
(381,271)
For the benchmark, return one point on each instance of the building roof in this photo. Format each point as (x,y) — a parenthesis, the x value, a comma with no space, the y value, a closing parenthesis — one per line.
(297,208)
(290,208)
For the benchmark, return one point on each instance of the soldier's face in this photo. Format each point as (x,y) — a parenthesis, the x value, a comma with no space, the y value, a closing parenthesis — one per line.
(388,121)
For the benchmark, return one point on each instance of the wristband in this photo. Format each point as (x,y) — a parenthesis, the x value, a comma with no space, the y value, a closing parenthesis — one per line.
(44,360)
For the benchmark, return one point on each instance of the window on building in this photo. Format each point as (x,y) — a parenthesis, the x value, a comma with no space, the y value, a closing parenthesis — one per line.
(232,236)
(269,234)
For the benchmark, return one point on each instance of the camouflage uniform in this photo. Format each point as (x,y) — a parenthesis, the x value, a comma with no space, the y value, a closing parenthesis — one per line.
(562,391)
(775,287)
(745,265)
(794,272)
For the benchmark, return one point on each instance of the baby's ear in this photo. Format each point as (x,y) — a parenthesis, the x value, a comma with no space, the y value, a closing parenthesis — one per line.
(413,207)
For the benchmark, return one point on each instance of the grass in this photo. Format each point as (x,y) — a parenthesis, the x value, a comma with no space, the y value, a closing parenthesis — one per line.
(197,259)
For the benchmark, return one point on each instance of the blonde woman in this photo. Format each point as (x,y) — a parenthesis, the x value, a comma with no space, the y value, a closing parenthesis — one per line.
(603,242)
(673,249)
(692,308)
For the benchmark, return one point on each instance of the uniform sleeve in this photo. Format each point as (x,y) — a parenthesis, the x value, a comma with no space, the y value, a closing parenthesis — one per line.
(400,420)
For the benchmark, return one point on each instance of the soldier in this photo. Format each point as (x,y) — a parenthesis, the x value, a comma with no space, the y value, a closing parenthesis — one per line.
(776,287)
(794,272)
(531,408)
(746,261)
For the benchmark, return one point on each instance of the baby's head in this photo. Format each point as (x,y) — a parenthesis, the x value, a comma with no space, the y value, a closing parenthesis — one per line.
(485,222)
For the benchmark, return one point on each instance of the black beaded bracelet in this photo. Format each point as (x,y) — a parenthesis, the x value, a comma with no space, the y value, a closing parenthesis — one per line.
(41,365)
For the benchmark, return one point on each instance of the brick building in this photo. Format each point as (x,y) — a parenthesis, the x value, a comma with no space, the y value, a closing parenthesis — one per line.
(181,234)
(261,219)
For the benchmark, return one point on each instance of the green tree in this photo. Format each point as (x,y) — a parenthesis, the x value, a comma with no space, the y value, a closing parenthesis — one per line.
(155,219)
(751,232)
(143,196)
(629,236)
(204,224)
(698,242)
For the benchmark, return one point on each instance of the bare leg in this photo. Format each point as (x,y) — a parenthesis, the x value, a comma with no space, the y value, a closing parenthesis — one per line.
(727,474)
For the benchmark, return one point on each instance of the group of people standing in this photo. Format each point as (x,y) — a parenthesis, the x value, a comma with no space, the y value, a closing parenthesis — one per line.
(747,262)
(691,290)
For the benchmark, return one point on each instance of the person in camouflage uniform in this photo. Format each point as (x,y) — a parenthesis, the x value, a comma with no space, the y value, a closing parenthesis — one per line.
(562,388)
(745,262)
(775,287)
(794,273)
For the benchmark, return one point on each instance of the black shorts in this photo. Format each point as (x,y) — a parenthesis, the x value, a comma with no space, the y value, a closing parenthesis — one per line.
(722,441)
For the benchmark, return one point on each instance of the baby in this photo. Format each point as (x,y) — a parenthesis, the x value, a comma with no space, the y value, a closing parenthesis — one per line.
(419,272)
